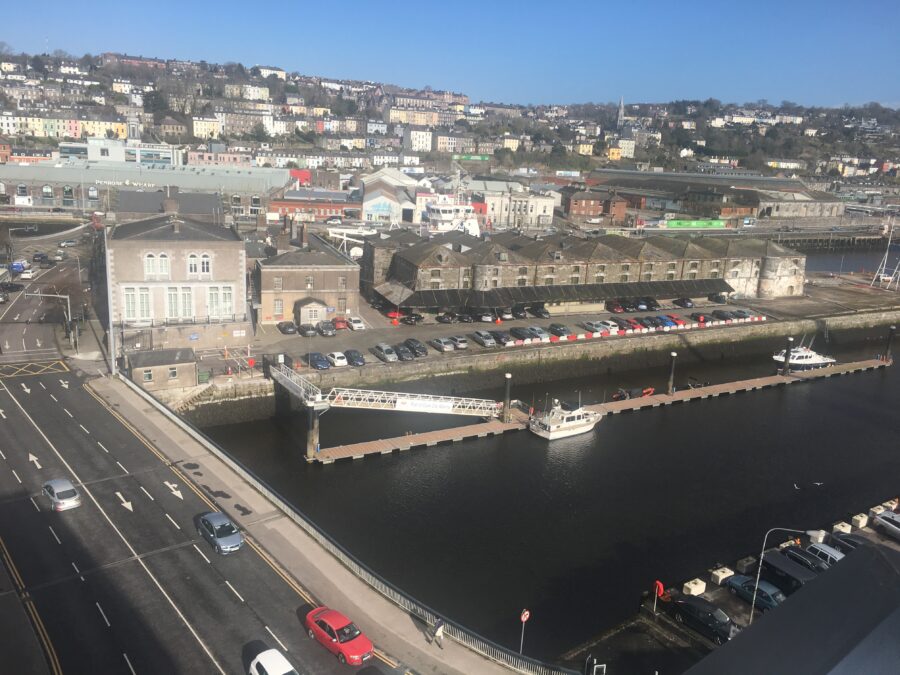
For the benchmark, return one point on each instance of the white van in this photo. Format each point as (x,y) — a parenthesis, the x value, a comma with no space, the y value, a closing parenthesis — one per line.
(889,524)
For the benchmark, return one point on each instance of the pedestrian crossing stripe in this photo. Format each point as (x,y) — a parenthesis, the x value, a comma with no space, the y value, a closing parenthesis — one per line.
(8,370)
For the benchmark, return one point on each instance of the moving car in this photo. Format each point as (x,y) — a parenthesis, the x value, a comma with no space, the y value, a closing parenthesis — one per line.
(67,243)
(403,352)
(767,595)
(826,553)
(704,617)
(355,357)
(287,327)
(459,342)
(484,338)
(333,220)
(338,635)
(326,329)
(307,330)
(62,494)
(220,532)
(11,287)
(385,352)
(687,303)
(318,361)
(60,255)
(559,330)
(442,344)
(336,359)
(340,323)
(417,347)
(355,323)
(521,333)
(39,257)
(501,337)
(271,662)
(805,558)
(27,274)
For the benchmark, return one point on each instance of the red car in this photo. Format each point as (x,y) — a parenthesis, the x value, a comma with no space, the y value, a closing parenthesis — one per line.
(677,320)
(339,635)
(614,307)
(634,324)
(339,323)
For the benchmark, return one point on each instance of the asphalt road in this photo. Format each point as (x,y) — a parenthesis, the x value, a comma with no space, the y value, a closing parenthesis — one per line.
(124,584)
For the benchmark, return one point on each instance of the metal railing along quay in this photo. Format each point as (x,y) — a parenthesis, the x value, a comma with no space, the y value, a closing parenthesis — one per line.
(464,636)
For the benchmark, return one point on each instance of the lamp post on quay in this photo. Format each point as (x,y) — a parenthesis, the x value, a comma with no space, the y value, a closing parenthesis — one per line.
(759,565)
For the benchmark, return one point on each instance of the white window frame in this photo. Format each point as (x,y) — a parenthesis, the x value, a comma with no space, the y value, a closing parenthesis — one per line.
(172,304)
(205,264)
(129,303)
(149,265)
(193,264)
(163,266)
(187,302)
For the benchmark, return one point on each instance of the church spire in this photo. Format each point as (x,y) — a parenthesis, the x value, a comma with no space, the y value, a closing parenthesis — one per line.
(620,121)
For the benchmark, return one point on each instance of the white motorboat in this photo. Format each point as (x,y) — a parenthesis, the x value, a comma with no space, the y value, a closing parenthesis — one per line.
(562,421)
(804,358)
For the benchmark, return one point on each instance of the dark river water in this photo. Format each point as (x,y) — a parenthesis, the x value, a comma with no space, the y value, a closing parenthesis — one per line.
(576,529)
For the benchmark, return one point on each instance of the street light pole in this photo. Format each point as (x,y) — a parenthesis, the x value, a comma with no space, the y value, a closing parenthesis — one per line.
(759,564)
(672,374)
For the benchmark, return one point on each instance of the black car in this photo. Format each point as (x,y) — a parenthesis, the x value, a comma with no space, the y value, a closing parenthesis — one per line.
(700,318)
(628,305)
(805,558)
(287,327)
(521,333)
(539,311)
(47,264)
(326,329)
(417,347)
(447,317)
(519,313)
(354,357)
(307,330)
(705,618)
(403,352)
(723,315)
(318,361)
(11,287)
(559,330)
(651,303)
(501,337)
(412,319)
(741,313)
(38,257)
(621,323)
(845,543)
(465,318)
(717,297)
(687,303)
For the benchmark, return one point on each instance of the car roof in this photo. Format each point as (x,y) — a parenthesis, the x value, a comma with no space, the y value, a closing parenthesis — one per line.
(332,617)
(217,518)
(274,662)
(60,484)
(335,355)
(698,602)
(825,548)
(383,345)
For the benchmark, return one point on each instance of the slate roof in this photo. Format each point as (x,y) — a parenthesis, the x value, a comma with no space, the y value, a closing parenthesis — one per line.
(393,238)
(433,254)
(161,228)
(317,254)
(189,203)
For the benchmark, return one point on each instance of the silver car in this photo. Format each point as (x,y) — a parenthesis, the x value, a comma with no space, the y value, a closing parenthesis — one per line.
(539,332)
(484,338)
(459,342)
(220,532)
(385,352)
(442,344)
(62,494)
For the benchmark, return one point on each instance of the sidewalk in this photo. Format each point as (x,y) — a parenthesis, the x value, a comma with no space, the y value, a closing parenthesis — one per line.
(393,631)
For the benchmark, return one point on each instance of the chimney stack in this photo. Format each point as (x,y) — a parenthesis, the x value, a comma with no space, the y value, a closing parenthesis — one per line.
(304,243)
(176,226)
(283,241)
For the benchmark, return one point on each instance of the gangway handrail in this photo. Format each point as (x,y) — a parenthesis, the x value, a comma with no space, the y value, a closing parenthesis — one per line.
(308,391)
(398,400)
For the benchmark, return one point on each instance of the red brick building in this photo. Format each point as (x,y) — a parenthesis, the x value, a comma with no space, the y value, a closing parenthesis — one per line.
(583,204)
(5,151)
(615,207)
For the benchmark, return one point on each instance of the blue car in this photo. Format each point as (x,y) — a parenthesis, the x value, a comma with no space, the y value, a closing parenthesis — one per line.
(354,357)
(767,595)
(666,321)
(318,361)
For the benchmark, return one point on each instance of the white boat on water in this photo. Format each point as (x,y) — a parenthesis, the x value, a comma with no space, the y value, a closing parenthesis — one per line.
(804,358)
(562,421)
(449,216)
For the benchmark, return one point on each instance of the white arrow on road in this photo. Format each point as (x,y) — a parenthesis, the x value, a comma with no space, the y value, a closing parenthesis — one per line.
(32,458)
(6,345)
(173,487)
(38,343)
(16,317)
(26,389)
(64,383)
(127,505)
(2,414)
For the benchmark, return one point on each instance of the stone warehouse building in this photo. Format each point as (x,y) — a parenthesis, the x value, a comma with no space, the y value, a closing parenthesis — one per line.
(749,267)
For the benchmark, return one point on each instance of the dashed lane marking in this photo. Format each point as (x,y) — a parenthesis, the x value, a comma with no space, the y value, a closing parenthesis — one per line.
(228,583)
(149,496)
(121,467)
(173,522)
(54,398)
(128,662)
(34,503)
(17,476)
(77,571)
(103,614)
(83,429)
(102,447)
(54,535)
(68,413)
(275,637)
(201,553)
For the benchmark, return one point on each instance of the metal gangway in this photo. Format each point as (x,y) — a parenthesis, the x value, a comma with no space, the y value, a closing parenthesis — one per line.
(342,397)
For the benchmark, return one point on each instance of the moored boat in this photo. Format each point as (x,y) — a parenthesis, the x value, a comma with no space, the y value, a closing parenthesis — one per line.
(804,358)
(562,421)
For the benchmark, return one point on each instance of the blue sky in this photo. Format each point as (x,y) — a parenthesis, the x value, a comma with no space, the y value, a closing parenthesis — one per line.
(526,51)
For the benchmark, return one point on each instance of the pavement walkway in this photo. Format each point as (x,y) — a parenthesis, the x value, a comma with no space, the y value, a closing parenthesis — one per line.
(394,632)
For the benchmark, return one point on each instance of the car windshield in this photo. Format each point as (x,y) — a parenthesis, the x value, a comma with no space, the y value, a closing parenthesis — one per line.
(348,632)
(66,494)
(225,530)
(720,616)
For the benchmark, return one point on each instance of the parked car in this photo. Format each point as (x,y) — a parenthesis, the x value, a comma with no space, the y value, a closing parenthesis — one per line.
(501,337)
(651,303)
(687,303)
(287,327)
(442,344)
(333,220)
(338,635)
(704,617)
(767,595)
(307,330)
(677,320)
(447,317)
(271,662)
(484,338)
(641,305)
(385,352)
(741,313)
(220,532)
(717,297)
(520,333)
(539,333)
(600,326)
(483,315)
(4,298)
(318,361)
(805,558)
(340,323)
(539,311)
(459,342)
(784,573)
(519,312)
(614,306)
(505,313)
(666,321)
(465,318)
(845,543)
(645,322)
(889,524)
(326,329)
(700,317)
(825,552)
(355,323)
(404,353)
(355,357)
(623,324)
(628,305)
(62,494)
(559,330)
(67,243)
(723,315)
(416,347)
(337,359)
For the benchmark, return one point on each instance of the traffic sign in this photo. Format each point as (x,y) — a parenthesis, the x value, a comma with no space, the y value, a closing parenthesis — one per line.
(525,615)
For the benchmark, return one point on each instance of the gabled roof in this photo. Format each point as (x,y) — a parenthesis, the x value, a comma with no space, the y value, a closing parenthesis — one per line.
(162,228)
(393,238)
(490,253)
(433,254)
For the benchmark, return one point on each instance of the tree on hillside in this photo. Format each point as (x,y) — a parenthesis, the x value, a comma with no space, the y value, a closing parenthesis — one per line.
(259,133)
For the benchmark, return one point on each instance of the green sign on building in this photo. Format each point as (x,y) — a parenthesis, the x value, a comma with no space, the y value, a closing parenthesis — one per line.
(695,224)
(472,158)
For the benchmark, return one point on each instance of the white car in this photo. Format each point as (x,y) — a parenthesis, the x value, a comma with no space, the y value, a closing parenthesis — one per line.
(442,344)
(355,323)
(26,274)
(68,242)
(459,342)
(271,662)
(600,326)
(484,338)
(337,359)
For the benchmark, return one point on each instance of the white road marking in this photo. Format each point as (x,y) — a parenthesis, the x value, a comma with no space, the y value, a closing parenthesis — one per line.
(147,493)
(83,429)
(121,536)
(172,521)
(130,667)
(64,383)
(77,571)
(43,386)
(24,346)
(3,415)
(275,637)
(33,459)
(68,413)
(54,535)
(1,452)
(173,487)
(36,507)
(101,446)
(17,476)
(122,467)
(25,389)
(54,398)
(103,614)
(227,583)
(126,504)
(201,553)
